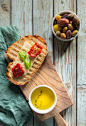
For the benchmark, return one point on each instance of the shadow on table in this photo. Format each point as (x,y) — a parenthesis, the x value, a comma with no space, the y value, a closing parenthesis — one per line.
(60,47)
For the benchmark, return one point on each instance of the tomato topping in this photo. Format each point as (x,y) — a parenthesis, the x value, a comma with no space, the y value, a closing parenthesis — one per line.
(17,70)
(35,50)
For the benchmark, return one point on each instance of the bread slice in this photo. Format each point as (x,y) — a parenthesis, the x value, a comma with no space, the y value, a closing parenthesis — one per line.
(12,53)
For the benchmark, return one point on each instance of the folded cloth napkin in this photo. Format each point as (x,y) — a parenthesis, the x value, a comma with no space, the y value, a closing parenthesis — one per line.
(14,110)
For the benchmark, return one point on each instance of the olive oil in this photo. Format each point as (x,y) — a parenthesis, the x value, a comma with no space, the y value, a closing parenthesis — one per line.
(42,98)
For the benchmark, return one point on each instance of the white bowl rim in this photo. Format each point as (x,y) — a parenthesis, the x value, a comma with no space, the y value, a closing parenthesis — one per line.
(39,110)
(55,33)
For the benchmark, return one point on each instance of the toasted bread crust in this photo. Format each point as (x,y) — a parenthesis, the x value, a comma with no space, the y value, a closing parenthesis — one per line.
(12,54)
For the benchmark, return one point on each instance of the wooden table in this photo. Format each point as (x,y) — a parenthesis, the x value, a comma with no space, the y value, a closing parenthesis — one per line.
(35,17)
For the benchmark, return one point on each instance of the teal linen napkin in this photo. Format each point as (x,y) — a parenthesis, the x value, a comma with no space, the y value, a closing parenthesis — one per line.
(14,110)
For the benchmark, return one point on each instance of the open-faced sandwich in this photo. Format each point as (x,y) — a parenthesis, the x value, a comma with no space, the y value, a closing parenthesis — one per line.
(27,54)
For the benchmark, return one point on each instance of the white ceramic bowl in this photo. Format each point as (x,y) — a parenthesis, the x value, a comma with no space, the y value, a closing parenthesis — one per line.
(64,12)
(39,110)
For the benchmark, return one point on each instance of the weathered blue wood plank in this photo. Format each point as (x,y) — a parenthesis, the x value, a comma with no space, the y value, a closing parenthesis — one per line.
(81,65)
(21,16)
(4,12)
(42,18)
(48,122)
(65,62)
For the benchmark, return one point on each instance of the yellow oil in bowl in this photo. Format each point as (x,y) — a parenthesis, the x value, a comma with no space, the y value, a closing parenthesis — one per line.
(42,98)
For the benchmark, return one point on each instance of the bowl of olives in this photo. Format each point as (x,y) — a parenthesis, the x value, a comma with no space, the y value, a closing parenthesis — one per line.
(66,25)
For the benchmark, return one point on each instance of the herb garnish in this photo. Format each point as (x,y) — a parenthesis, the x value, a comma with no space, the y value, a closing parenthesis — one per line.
(37,99)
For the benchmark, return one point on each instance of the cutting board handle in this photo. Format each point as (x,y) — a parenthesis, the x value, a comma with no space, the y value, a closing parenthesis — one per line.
(59,120)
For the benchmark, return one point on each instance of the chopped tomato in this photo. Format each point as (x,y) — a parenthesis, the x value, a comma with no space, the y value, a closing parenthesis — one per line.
(17,70)
(35,50)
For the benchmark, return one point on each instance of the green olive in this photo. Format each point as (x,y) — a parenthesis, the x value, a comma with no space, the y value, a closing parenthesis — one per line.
(70,22)
(70,16)
(74,33)
(58,33)
(57,28)
(64,29)
(70,27)
(63,36)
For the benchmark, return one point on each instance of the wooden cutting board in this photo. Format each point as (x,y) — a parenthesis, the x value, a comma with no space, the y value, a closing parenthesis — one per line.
(47,75)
